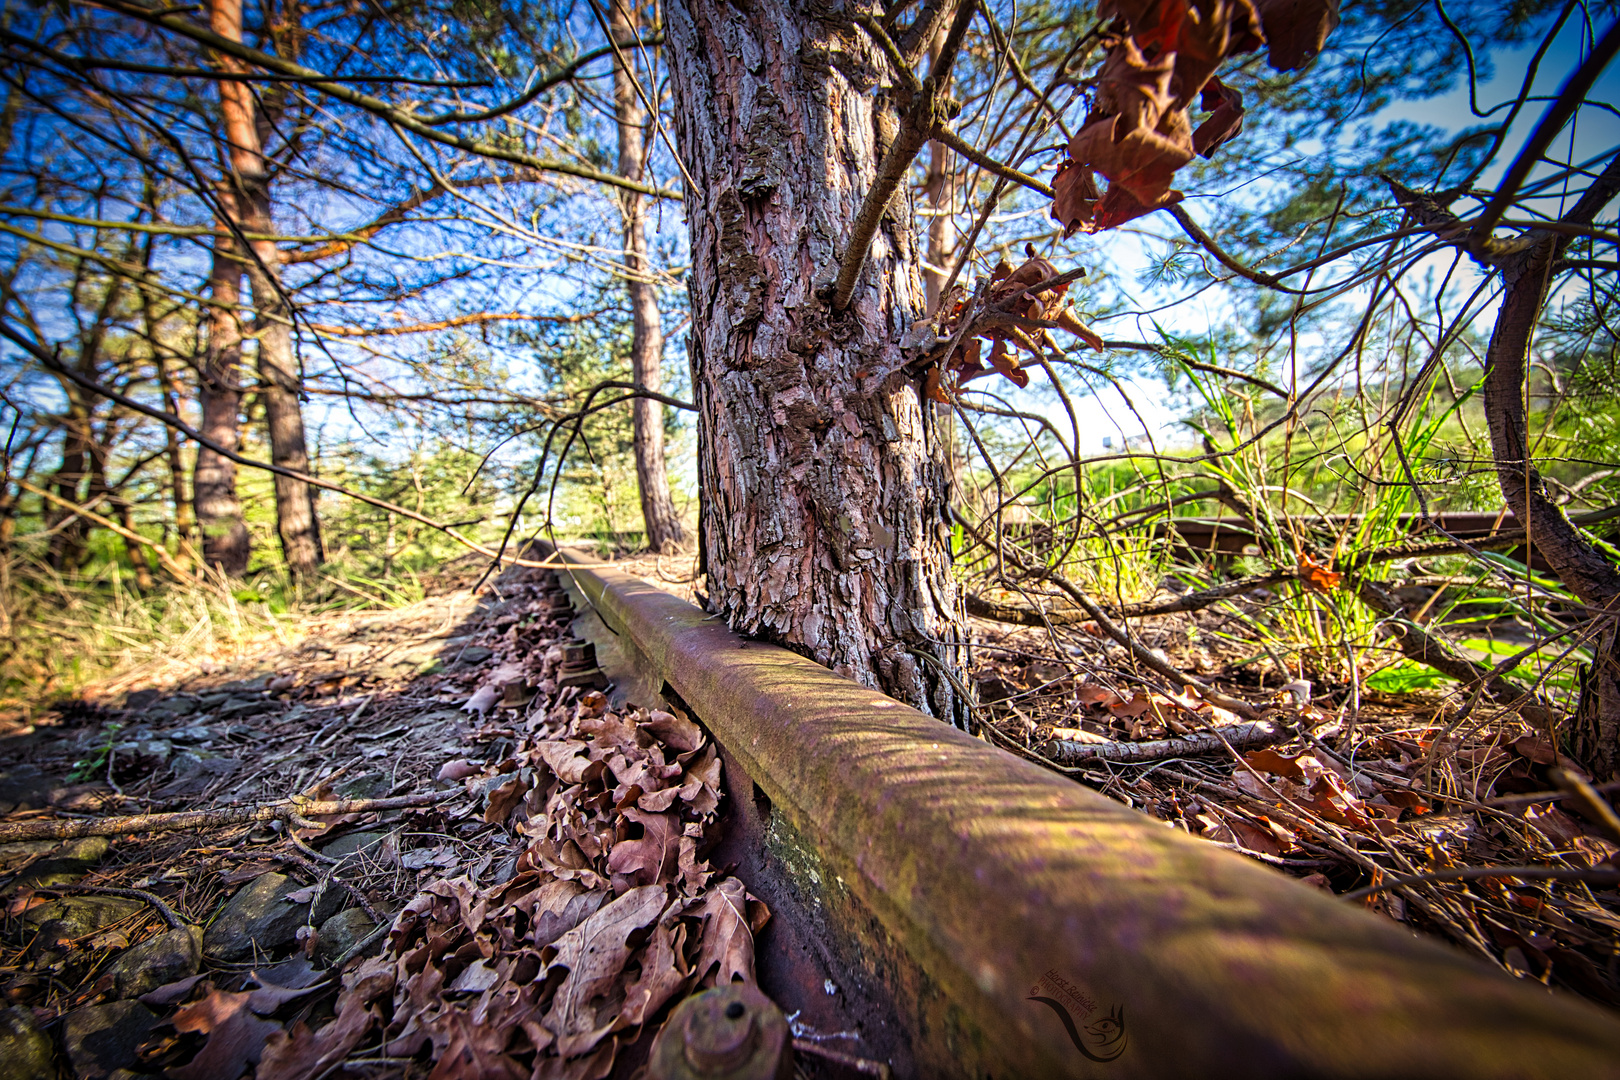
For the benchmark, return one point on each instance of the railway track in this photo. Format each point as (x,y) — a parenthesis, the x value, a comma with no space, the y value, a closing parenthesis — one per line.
(956,911)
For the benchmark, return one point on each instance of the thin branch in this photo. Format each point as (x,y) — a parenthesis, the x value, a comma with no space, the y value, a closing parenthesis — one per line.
(72,828)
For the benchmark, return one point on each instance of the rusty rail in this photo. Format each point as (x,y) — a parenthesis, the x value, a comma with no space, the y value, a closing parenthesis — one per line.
(968,914)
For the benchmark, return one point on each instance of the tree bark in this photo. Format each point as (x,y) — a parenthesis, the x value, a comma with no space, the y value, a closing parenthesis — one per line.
(226,543)
(1527,273)
(825,490)
(647,339)
(278,369)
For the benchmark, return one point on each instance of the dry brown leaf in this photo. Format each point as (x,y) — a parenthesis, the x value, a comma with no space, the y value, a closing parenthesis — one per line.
(236,1036)
(726,944)
(300,1054)
(594,954)
(1296,30)
(1225,122)
(676,731)
(650,858)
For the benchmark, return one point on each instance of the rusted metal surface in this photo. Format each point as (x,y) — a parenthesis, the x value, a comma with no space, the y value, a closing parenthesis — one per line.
(1002,921)
(727,1033)
(1227,537)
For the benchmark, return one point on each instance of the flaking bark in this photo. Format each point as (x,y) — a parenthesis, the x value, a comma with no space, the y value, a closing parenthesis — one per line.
(824,481)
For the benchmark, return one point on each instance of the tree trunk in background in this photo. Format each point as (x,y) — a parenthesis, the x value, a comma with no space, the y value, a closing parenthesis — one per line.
(278,369)
(825,492)
(226,544)
(1595,740)
(66,549)
(647,342)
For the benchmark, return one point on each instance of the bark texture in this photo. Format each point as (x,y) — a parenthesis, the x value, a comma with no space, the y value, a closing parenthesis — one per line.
(226,543)
(824,484)
(647,340)
(1527,270)
(279,381)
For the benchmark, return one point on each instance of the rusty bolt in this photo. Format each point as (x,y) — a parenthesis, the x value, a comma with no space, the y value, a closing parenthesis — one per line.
(729,1033)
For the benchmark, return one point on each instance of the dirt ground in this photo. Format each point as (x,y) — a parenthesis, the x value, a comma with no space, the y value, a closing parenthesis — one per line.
(464,863)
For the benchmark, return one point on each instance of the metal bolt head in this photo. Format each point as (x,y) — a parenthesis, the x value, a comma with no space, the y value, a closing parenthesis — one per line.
(728,1033)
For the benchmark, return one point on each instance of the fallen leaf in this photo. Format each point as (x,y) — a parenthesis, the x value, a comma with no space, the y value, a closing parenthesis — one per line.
(594,954)
(300,1054)
(1317,575)
(236,1037)
(676,731)
(726,943)
(458,770)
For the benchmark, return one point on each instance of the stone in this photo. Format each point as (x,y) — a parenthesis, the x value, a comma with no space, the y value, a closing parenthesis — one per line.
(14,855)
(474,654)
(25,1051)
(341,933)
(365,786)
(24,787)
(102,1038)
(239,708)
(259,920)
(69,863)
(353,843)
(146,753)
(166,958)
(194,733)
(140,700)
(175,706)
(83,914)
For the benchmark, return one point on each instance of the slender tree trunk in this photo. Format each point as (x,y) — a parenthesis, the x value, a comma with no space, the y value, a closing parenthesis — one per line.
(1526,273)
(825,492)
(647,341)
(278,369)
(66,549)
(226,543)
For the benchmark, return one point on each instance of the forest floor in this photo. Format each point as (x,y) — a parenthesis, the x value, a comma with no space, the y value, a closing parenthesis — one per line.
(461,866)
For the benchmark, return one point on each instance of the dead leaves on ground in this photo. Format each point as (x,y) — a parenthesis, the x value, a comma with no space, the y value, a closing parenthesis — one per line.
(610,910)
(1139,131)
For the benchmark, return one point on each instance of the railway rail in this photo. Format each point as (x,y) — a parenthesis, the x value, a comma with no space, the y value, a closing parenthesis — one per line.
(955,911)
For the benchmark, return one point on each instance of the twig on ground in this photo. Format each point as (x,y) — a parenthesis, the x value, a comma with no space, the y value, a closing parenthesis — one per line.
(1592,875)
(11,832)
(1245,736)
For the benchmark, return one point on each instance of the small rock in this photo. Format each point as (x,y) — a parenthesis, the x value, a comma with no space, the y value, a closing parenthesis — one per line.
(239,708)
(341,933)
(145,752)
(166,958)
(25,1051)
(141,700)
(23,787)
(12,855)
(364,786)
(195,733)
(83,914)
(353,843)
(258,918)
(101,1038)
(175,706)
(71,862)
(474,654)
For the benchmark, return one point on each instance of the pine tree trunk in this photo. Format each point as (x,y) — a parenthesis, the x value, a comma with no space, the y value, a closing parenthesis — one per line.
(1526,273)
(226,543)
(825,492)
(647,340)
(278,370)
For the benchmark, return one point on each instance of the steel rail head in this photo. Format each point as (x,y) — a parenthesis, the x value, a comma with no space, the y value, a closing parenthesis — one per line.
(1028,926)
